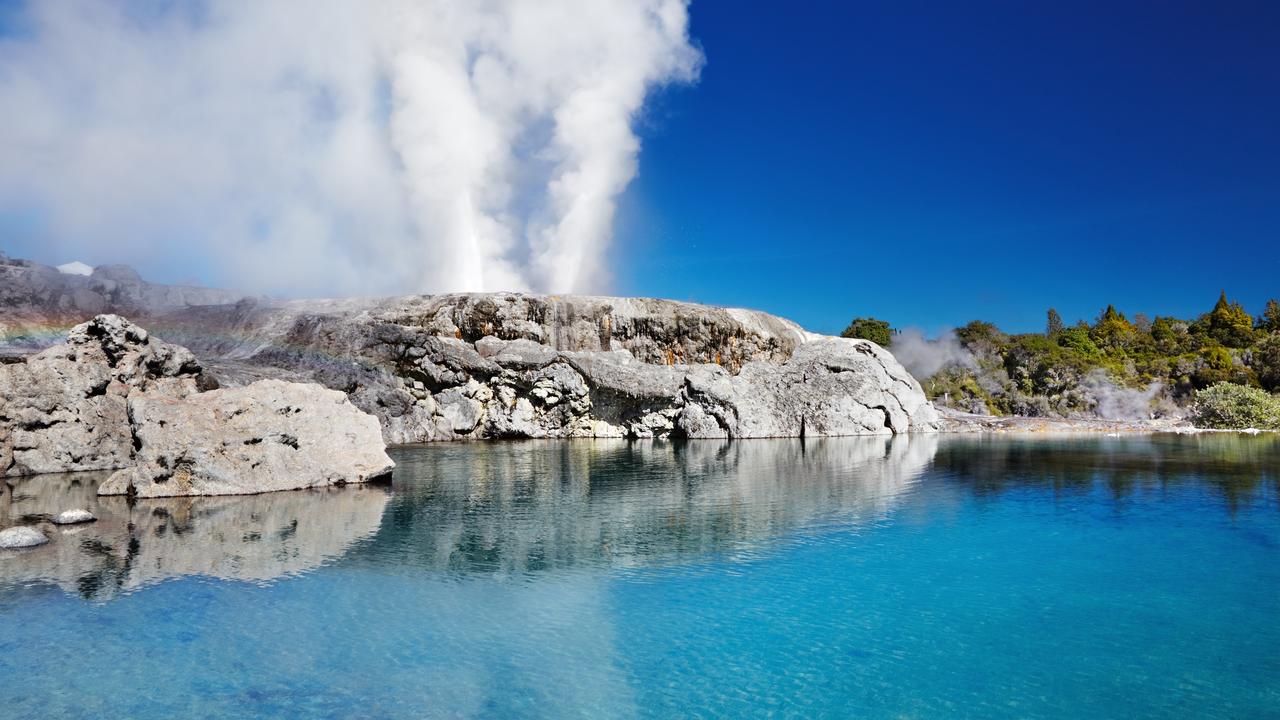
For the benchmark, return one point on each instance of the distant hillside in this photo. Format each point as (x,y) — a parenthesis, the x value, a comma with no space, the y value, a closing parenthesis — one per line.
(1115,367)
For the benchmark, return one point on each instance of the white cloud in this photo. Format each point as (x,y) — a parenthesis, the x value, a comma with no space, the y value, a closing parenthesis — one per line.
(337,147)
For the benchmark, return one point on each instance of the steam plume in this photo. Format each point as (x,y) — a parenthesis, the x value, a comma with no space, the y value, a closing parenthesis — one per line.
(329,147)
(923,357)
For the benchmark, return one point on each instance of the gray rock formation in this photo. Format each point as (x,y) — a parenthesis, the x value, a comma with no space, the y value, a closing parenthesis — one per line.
(64,409)
(469,366)
(113,397)
(511,365)
(271,435)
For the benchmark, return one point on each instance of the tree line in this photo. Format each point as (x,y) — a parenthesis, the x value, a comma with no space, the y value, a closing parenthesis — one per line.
(1056,372)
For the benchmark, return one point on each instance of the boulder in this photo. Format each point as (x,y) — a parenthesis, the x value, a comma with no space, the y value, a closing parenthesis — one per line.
(21,537)
(64,409)
(270,435)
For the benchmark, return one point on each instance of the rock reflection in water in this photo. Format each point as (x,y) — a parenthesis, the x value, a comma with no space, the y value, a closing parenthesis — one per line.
(528,506)
(249,537)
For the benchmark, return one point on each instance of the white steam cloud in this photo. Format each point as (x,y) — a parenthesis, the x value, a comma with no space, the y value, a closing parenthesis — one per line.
(1113,402)
(923,357)
(308,146)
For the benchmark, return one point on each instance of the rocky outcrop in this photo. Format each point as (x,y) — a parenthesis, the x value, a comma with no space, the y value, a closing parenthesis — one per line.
(64,409)
(268,436)
(113,397)
(507,365)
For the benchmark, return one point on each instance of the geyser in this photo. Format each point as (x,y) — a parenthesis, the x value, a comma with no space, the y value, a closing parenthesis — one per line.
(343,147)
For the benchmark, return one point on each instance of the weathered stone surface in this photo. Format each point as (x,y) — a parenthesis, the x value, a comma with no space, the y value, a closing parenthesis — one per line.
(73,517)
(21,537)
(509,365)
(483,365)
(64,409)
(270,435)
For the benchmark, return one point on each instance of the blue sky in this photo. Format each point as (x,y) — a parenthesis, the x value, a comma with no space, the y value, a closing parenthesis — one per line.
(933,163)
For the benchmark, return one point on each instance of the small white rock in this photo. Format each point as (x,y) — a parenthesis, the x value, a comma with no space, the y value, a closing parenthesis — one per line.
(21,537)
(73,517)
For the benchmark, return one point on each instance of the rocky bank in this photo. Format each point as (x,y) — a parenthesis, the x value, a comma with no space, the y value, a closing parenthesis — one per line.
(115,398)
(507,365)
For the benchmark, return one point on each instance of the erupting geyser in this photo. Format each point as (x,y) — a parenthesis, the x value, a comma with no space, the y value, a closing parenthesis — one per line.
(335,148)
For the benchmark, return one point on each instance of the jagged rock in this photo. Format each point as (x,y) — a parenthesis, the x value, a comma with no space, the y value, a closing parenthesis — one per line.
(479,365)
(73,517)
(270,435)
(64,409)
(21,537)
(512,365)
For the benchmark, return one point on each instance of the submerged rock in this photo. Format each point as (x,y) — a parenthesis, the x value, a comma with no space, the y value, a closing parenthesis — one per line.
(73,517)
(21,537)
(270,435)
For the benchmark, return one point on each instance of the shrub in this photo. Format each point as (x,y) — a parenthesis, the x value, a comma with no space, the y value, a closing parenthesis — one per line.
(1234,407)
(877,331)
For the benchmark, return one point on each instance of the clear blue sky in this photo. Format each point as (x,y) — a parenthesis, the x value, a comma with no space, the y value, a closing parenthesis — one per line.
(931,163)
(934,162)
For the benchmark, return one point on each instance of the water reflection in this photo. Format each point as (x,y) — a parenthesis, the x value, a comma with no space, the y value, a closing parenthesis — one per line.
(528,506)
(1239,467)
(253,537)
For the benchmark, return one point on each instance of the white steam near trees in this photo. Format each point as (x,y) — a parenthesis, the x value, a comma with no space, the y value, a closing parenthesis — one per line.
(336,147)
(923,357)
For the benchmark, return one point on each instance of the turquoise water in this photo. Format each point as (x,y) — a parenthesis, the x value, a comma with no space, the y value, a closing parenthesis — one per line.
(875,577)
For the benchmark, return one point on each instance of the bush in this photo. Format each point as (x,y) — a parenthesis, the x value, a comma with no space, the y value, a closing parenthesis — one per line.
(877,331)
(1235,407)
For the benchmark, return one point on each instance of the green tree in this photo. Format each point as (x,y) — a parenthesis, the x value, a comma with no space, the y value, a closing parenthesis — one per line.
(1270,320)
(1112,332)
(1077,340)
(981,333)
(877,331)
(1228,323)
(1054,324)
(1170,336)
(1266,361)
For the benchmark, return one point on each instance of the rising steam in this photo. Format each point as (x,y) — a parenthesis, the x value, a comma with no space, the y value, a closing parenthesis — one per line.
(329,147)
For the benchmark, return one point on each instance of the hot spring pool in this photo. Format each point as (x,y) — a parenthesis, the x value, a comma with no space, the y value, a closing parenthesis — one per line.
(863,577)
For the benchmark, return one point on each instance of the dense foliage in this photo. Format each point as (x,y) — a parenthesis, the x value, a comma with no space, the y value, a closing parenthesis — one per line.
(877,331)
(1116,366)
(1226,405)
